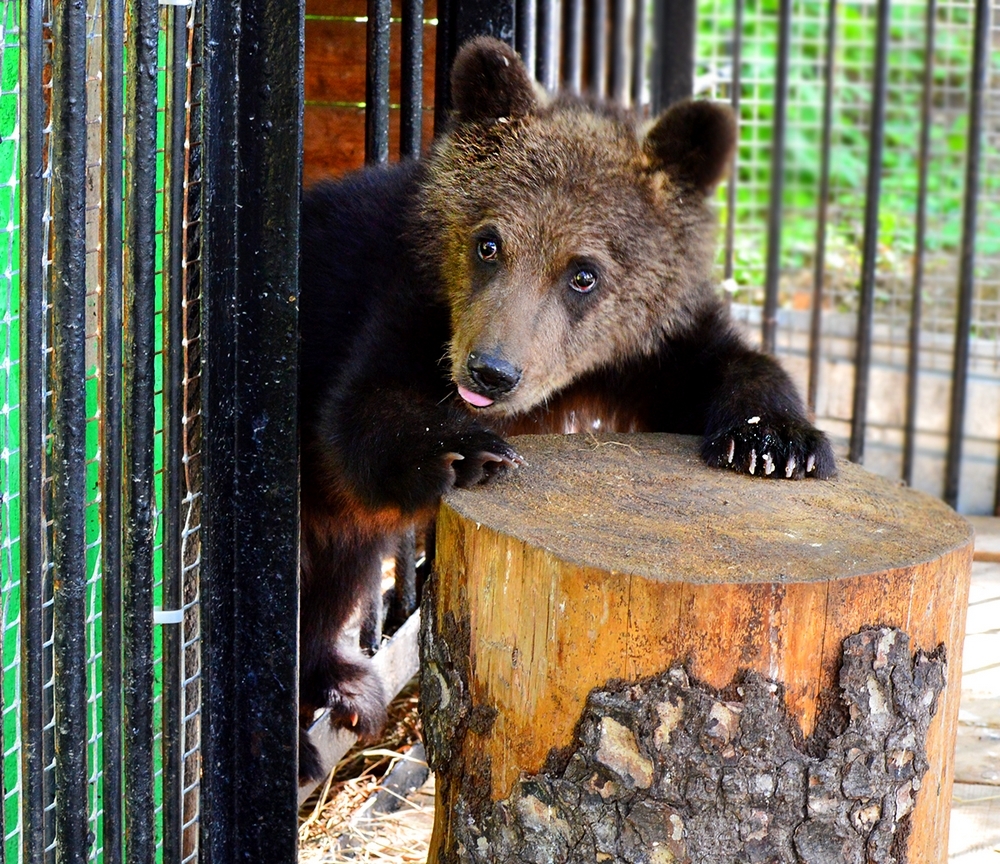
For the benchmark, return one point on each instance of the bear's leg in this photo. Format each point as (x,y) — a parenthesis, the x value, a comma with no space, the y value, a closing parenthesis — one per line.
(337,573)
(372,616)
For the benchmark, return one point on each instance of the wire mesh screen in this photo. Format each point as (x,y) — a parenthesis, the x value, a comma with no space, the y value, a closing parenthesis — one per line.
(29,72)
(930,51)
(9,422)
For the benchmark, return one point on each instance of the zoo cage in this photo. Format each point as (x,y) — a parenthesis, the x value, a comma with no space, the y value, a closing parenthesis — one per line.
(150,159)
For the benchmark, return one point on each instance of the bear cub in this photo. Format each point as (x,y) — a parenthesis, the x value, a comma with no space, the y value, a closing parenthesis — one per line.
(548,267)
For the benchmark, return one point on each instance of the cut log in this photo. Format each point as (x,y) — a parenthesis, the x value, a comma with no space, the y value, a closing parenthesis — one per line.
(628,656)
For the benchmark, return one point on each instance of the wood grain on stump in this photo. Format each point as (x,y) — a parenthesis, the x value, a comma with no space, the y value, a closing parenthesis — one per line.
(616,625)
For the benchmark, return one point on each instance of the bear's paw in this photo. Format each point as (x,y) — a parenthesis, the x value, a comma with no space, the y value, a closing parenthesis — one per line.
(356,700)
(788,450)
(478,457)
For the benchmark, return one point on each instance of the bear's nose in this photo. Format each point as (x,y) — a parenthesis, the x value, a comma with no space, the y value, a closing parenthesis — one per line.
(493,376)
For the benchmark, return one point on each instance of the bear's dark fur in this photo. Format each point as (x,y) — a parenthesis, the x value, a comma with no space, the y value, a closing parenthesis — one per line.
(545,268)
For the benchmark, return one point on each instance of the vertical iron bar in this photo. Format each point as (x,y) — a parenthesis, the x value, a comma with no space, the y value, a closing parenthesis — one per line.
(526,31)
(819,271)
(573,46)
(69,292)
(267,469)
(377,82)
(916,300)
(597,47)
(638,54)
(142,17)
(736,88)
(773,267)
(249,709)
(618,87)
(219,278)
(673,53)
(547,70)
(173,439)
(32,431)
(967,260)
(866,310)
(111,432)
(412,80)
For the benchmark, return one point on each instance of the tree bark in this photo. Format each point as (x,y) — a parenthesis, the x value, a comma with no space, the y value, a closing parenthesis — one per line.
(628,656)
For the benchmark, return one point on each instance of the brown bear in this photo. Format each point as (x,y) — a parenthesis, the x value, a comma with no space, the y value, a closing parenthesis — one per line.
(548,267)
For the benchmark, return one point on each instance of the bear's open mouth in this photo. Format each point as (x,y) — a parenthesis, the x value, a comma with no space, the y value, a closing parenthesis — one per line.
(476,399)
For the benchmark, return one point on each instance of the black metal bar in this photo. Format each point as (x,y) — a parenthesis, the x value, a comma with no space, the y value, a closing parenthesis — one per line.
(597,47)
(525,32)
(142,21)
(377,82)
(111,433)
(819,267)
(547,61)
(916,298)
(219,277)
(772,276)
(249,729)
(638,55)
(173,439)
(69,293)
(266,522)
(735,95)
(572,49)
(967,254)
(618,85)
(673,52)
(412,80)
(866,309)
(32,430)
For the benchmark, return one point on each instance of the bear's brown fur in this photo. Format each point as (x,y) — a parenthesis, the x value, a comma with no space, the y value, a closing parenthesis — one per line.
(547,268)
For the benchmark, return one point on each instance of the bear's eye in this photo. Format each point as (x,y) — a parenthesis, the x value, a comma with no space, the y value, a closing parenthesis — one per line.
(488,249)
(583,280)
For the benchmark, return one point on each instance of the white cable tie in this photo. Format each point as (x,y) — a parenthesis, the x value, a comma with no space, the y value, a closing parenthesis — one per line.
(168,616)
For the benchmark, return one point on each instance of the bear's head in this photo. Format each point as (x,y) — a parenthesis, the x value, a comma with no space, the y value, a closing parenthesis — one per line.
(567,239)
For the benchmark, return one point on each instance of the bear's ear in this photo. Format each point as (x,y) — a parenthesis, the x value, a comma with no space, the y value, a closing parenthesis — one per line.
(693,142)
(488,81)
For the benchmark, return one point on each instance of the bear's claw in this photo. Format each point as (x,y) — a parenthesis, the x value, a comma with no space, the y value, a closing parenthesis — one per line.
(796,446)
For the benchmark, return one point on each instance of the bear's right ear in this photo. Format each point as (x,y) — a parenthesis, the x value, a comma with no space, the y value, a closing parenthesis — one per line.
(489,81)
(693,142)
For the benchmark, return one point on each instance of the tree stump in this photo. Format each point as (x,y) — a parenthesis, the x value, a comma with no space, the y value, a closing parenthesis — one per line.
(630,657)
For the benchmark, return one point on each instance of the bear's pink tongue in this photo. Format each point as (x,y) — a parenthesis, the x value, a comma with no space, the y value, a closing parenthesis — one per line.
(474,398)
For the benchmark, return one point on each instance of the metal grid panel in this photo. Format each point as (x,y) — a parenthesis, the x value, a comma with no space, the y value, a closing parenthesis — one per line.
(853,60)
(9,436)
(16,845)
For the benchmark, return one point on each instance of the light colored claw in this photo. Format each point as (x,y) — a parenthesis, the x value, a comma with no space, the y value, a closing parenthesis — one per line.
(768,465)
(753,461)
(732,451)
(790,467)
(354,718)
(810,463)
(753,421)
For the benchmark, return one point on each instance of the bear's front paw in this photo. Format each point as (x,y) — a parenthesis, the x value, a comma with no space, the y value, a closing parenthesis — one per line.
(784,449)
(477,457)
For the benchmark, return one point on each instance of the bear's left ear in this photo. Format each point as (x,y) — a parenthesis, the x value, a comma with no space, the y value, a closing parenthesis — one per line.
(693,142)
(488,81)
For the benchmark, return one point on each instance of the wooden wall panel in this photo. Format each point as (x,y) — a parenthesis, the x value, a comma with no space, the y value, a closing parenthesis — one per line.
(335,85)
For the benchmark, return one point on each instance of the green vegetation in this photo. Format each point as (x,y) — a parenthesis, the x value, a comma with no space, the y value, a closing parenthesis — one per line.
(853,63)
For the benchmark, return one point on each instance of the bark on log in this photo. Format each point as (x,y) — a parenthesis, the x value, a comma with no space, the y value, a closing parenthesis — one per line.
(630,657)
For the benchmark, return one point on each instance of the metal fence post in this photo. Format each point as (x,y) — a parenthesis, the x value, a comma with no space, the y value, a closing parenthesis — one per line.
(250,528)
